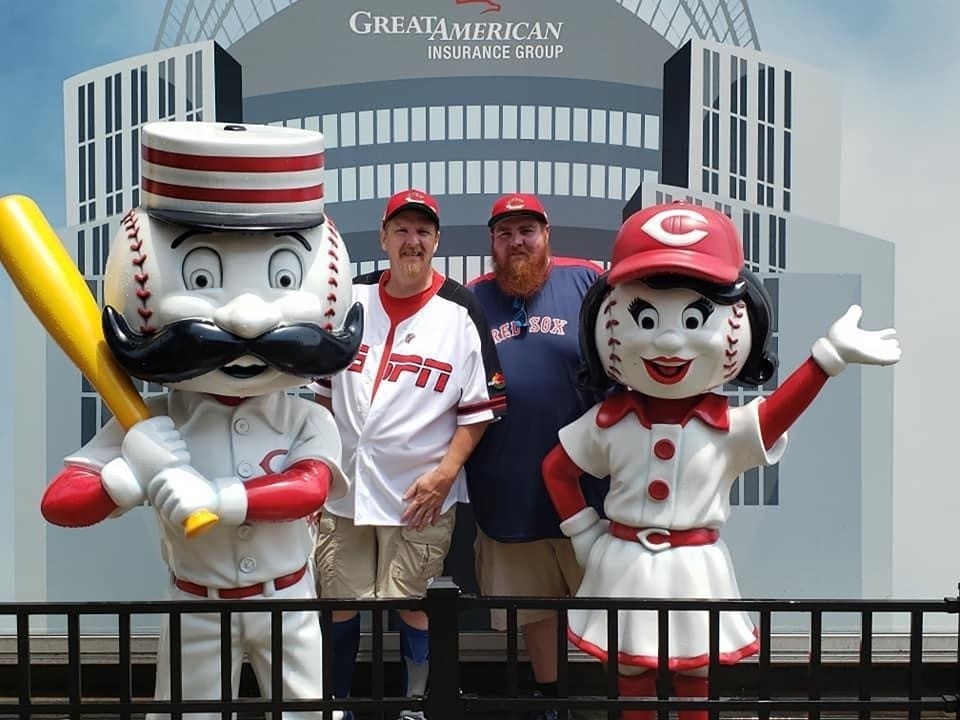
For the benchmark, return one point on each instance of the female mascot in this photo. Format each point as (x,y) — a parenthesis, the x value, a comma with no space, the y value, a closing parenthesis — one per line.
(230,287)
(677,317)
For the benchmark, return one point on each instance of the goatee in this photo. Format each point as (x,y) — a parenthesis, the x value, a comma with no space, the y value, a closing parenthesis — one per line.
(522,277)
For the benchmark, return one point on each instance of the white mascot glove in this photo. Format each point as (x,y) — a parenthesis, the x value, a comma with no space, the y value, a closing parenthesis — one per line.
(122,485)
(584,529)
(153,445)
(178,492)
(847,343)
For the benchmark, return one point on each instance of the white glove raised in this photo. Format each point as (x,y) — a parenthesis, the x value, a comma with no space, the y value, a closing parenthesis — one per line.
(584,529)
(153,445)
(847,343)
(178,492)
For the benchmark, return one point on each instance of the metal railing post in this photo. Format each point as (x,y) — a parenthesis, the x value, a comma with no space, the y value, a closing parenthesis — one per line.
(443,699)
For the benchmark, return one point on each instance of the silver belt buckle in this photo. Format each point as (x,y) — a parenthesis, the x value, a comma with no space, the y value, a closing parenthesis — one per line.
(643,536)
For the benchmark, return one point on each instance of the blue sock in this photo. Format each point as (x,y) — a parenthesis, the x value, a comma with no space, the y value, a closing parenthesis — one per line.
(415,651)
(346,644)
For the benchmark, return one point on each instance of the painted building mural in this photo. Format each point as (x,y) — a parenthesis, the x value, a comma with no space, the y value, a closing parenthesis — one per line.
(469,99)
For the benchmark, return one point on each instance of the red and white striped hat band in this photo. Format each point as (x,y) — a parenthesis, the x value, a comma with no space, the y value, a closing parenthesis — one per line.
(232,176)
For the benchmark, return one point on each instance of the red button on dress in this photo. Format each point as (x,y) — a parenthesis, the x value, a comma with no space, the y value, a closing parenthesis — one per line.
(658,490)
(664,449)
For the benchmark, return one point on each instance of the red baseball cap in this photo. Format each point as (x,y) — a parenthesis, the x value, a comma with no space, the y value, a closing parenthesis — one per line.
(677,238)
(516,204)
(412,200)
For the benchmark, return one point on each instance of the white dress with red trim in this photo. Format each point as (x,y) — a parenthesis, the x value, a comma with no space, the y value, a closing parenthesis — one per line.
(670,477)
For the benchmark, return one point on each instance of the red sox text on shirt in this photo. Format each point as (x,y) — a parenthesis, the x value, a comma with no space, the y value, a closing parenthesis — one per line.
(538,324)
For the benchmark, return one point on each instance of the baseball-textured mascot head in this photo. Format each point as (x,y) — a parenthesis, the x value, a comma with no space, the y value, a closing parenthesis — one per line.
(678,314)
(229,279)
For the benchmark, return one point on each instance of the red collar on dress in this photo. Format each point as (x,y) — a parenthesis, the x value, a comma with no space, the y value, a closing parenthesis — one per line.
(709,408)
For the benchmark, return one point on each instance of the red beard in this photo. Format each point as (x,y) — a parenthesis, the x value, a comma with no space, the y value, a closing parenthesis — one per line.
(522,276)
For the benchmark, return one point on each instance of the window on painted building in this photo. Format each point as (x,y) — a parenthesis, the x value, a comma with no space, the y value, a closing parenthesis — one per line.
(383,126)
(508,178)
(437,121)
(384,187)
(508,121)
(418,124)
(438,178)
(455,184)
(561,124)
(348,129)
(616,127)
(491,122)
(331,131)
(474,122)
(580,125)
(528,122)
(473,177)
(365,127)
(418,174)
(545,178)
(545,122)
(455,122)
(366,189)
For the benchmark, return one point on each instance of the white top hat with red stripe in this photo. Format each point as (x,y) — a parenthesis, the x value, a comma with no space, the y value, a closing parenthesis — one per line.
(219,175)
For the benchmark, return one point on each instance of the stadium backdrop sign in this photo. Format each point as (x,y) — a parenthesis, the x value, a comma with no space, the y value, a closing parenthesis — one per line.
(478,40)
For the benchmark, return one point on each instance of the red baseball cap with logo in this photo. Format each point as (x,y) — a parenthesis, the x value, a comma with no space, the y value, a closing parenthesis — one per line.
(412,200)
(677,238)
(516,204)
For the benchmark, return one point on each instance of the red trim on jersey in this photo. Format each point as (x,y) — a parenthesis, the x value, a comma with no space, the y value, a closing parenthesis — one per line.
(220,163)
(673,663)
(324,382)
(561,476)
(76,498)
(554,260)
(784,405)
(398,310)
(298,491)
(232,195)
(578,262)
(497,403)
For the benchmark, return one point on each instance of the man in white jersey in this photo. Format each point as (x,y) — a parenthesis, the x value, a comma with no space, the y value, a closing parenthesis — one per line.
(410,410)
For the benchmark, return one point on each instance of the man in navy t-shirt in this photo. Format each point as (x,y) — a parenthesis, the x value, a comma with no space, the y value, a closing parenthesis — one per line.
(532,303)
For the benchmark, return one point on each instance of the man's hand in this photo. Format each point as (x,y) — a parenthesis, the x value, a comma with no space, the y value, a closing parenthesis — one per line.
(176,493)
(154,445)
(425,498)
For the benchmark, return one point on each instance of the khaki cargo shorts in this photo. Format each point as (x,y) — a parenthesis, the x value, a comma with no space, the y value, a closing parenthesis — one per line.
(540,568)
(379,561)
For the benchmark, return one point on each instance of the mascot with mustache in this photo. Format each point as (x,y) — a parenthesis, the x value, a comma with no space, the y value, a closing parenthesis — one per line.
(230,287)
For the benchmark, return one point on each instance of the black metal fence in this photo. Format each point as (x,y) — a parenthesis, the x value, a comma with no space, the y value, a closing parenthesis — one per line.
(910,685)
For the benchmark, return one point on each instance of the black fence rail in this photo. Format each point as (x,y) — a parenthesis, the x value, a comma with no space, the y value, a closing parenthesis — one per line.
(915,683)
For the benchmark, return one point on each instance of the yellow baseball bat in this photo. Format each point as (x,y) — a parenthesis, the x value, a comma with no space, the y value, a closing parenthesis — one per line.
(54,289)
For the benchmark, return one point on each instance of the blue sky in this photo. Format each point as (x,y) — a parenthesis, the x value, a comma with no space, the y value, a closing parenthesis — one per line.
(41,44)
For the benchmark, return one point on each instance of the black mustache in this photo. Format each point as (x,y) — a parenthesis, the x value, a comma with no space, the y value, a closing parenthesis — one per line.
(189,348)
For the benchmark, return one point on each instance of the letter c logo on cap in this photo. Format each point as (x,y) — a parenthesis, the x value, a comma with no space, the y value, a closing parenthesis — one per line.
(655,229)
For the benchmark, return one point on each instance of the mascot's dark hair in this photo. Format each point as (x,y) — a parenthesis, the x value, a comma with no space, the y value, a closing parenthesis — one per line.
(761,363)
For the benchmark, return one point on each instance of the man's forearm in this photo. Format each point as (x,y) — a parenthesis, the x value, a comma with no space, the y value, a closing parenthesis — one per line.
(464,440)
